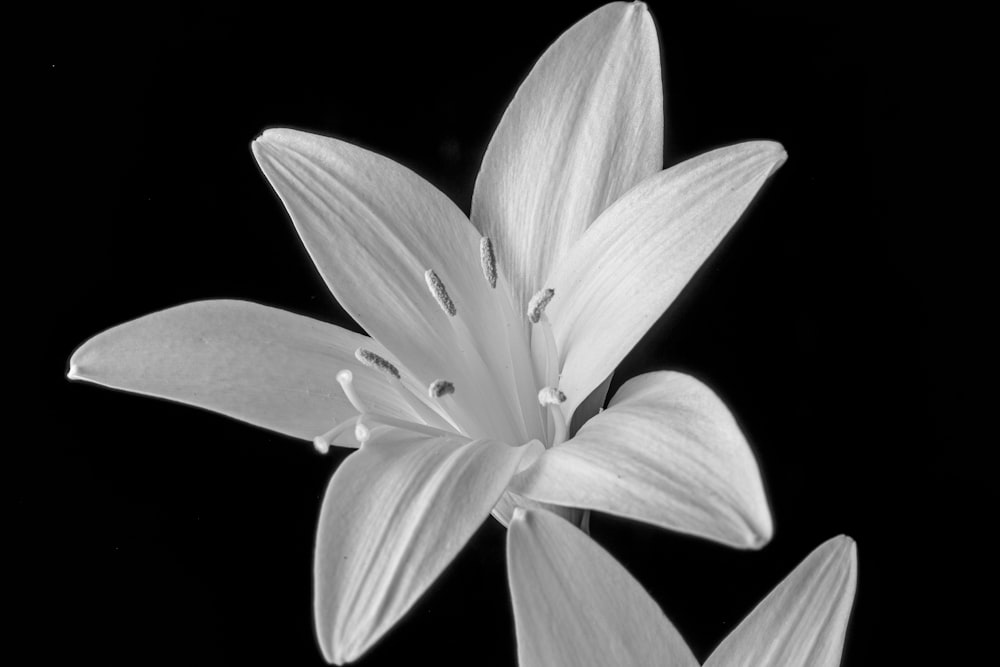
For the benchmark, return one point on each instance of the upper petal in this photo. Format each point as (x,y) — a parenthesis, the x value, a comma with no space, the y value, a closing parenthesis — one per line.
(262,365)
(374,228)
(574,605)
(802,622)
(585,126)
(395,514)
(636,258)
(666,451)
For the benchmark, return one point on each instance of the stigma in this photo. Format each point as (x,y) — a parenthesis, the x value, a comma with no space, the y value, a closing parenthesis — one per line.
(551,396)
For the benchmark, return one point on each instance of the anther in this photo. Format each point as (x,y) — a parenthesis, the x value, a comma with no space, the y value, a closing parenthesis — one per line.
(538,303)
(440,388)
(489,260)
(551,396)
(439,292)
(372,360)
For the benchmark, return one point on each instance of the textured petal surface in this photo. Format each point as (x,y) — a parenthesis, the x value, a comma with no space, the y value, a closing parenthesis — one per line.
(574,605)
(637,257)
(374,228)
(585,126)
(802,622)
(262,365)
(395,514)
(667,452)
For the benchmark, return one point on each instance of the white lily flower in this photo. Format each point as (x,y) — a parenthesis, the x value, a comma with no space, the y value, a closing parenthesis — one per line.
(486,336)
(575,605)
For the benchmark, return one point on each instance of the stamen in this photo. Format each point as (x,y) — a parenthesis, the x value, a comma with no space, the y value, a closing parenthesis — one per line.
(372,360)
(489,260)
(346,380)
(440,388)
(538,303)
(552,398)
(439,292)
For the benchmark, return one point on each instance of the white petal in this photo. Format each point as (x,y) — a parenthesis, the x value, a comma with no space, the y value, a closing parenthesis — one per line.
(374,228)
(802,622)
(262,365)
(667,452)
(584,127)
(395,514)
(637,257)
(574,605)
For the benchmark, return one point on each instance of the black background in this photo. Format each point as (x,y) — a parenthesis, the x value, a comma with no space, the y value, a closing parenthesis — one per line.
(832,322)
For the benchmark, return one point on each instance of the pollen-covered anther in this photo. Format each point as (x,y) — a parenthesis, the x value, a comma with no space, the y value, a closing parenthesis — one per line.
(361,432)
(372,360)
(489,260)
(538,303)
(551,396)
(440,388)
(439,293)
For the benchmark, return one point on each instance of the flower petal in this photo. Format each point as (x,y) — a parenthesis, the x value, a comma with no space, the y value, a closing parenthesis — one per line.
(374,228)
(637,257)
(667,452)
(575,605)
(395,514)
(262,365)
(802,622)
(585,126)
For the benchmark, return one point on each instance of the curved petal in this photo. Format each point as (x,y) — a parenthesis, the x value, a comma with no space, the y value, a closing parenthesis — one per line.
(636,258)
(261,365)
(395,514)
(575,605)
(374,228)
(667,452)
(802,622)
(585,126)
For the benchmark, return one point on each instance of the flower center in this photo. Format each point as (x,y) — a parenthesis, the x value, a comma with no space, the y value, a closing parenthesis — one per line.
(436,414)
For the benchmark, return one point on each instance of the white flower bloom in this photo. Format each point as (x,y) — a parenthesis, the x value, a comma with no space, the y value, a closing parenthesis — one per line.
(486,336)
(575,605)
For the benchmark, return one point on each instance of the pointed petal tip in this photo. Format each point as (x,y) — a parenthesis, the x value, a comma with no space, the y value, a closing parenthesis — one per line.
(74,372)
(845,543)
(760,531)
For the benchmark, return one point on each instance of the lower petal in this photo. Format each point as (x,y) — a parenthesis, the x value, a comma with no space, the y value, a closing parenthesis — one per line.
(574,605)
(802,622)
(395,514)
(667,452)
